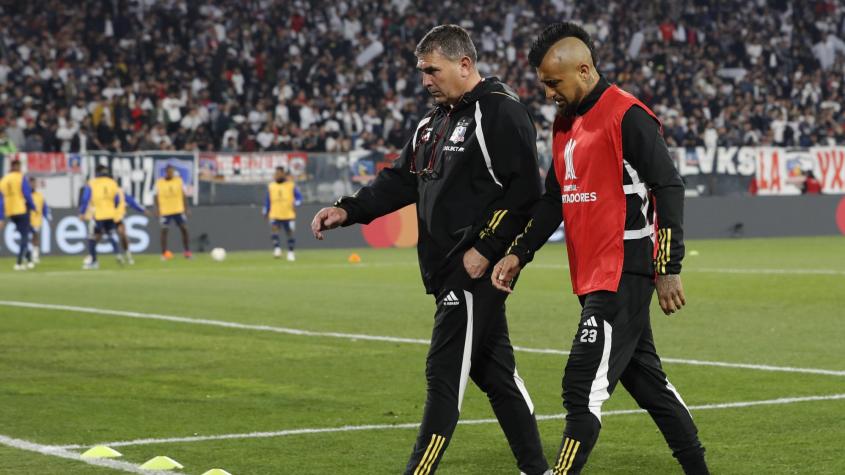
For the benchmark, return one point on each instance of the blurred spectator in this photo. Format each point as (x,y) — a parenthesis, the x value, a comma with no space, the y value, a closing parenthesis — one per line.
(6,144)
(811,185)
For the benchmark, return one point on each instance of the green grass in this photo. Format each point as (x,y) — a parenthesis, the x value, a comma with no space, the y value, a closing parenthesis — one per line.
(81,378)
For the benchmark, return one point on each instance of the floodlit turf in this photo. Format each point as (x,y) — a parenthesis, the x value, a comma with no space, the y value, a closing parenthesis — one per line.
(76,378)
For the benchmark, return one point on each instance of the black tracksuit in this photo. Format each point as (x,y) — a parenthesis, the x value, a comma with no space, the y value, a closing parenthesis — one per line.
(472,171)
(614,341)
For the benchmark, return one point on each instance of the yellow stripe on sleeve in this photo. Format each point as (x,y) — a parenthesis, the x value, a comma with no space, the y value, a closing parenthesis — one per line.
(495,216)
(668,247)
(660,240)
(664,236)
(499,221)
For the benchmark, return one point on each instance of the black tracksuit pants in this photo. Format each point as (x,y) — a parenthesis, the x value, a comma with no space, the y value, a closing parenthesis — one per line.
(22,224)
(470,341)
(614,343)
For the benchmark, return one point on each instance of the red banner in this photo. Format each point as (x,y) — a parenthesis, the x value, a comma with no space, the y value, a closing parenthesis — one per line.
(42,163)
(831,167)
(249,167)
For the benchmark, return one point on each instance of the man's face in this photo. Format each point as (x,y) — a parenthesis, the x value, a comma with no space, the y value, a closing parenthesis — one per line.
(563,82)
(280,175)
(168,173)
(442,77)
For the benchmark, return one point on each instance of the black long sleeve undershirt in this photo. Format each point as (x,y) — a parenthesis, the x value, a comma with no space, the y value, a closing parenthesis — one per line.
(644,148)
(545,219)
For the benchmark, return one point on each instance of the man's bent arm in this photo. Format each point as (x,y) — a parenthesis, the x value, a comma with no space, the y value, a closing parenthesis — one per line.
(545,220)
(393,188)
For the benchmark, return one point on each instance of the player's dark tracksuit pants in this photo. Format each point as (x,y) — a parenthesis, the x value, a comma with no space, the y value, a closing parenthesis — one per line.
(22,224)
(614,343)
(470,341)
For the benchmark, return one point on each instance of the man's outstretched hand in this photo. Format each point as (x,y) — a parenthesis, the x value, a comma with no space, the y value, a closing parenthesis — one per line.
(504,272)
(670,293)
(327,218)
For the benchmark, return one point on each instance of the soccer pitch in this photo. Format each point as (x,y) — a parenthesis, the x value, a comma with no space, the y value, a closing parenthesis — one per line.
(262,366)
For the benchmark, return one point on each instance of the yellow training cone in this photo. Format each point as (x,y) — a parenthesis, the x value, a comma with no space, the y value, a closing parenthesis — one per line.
(101,452)
(354,258)
(216,471)
(161,463)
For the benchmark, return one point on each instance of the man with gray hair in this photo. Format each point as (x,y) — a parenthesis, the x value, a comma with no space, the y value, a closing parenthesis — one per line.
(471,169)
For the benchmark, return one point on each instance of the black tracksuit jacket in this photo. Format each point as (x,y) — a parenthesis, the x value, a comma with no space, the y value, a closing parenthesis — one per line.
(472,171)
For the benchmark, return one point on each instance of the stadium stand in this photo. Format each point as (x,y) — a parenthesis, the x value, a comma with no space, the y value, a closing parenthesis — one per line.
(339,76)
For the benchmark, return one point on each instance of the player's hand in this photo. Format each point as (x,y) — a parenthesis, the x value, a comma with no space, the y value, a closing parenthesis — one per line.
(82,218)
(187,212)
(148,213)
(327,218)
(474,263)
(2,223)
(504,272)
(670,293)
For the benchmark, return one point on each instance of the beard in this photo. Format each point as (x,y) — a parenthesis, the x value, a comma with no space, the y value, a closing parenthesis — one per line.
(567,109)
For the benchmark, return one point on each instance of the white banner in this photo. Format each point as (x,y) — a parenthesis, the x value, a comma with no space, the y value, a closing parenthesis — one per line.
(782,171)
(768,170)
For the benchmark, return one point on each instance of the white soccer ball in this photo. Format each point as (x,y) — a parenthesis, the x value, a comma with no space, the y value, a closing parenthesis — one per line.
(218,254)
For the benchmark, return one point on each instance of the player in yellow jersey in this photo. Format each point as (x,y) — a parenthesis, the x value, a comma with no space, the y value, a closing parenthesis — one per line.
(103,193)
(36,219)
(172,207)
(15,205)
(280,210)
(128,202)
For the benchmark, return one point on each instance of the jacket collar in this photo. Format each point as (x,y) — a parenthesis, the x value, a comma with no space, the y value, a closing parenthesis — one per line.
(590,100)
(488,85)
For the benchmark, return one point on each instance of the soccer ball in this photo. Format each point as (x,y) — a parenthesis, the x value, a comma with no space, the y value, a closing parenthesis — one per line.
(218,254)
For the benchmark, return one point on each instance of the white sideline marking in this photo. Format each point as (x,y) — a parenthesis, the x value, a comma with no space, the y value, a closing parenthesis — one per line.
(390,339)
(414,425)
(717,270)
(61,452)
(216,323)
(770,271)
(127,271)
(57,273)
(364,265)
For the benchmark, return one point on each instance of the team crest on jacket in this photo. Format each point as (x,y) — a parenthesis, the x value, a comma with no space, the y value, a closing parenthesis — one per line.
(426,135)
(460,130)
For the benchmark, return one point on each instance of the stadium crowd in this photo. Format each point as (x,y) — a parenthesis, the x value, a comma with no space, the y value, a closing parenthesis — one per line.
(124,75)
